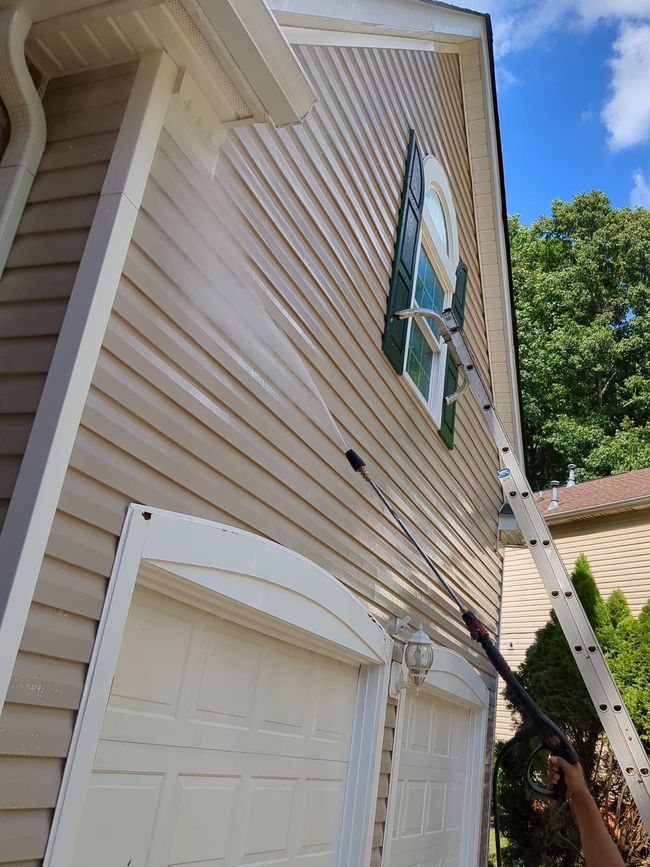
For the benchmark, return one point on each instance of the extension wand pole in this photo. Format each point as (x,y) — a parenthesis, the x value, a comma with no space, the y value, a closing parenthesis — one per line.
(552,737)
(359,466)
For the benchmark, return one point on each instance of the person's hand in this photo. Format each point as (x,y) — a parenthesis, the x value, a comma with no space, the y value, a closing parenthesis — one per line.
(574,778)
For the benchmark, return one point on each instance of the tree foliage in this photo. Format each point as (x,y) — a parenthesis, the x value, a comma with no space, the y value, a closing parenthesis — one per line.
(542,833)
(581,280)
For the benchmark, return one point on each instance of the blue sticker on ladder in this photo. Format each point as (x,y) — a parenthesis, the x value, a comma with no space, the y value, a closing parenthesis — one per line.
(503,474)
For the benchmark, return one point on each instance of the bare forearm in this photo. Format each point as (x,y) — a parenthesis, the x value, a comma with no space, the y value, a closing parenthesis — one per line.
(598,847)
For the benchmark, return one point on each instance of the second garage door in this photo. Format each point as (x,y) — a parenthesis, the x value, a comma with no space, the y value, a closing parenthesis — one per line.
(428,814)
(220,746)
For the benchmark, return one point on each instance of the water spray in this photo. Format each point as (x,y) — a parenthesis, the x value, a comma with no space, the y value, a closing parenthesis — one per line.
(552,738)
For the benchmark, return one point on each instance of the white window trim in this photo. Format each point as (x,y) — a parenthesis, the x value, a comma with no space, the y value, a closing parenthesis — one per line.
(445,264)
(263,586)
(435,176)
(453,679)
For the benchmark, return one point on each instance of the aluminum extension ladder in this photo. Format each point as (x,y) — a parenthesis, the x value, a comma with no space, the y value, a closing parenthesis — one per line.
(587,653)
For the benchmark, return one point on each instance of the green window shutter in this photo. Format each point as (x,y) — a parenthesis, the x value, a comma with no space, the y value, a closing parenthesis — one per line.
(449,410)
(458,299)
(451,370)
(406,247)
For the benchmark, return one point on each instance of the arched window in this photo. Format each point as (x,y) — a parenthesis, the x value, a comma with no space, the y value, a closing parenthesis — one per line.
(426,273)
(436,214)
(433,287)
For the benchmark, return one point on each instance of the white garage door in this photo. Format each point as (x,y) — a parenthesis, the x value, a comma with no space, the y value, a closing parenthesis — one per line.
(428,823)
(220,746)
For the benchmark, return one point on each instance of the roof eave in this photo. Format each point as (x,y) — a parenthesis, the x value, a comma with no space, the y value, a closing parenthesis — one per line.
(556,517)
(251,36)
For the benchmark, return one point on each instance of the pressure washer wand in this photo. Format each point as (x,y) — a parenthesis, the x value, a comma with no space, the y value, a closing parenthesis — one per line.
(359,466)
(552,737)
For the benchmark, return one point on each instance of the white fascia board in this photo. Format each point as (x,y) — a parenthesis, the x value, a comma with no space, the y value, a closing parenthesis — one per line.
(387,17)
(247,31)
(554,517)
(499,220)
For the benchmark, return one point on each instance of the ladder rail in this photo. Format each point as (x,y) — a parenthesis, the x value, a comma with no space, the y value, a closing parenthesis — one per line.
(619,728)
(599,681)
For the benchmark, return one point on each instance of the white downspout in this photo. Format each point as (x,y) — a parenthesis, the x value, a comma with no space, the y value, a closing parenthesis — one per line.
(27,118)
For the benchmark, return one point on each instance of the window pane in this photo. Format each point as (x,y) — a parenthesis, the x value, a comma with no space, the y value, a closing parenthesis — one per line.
(420,361)
(435,209)
(428,291)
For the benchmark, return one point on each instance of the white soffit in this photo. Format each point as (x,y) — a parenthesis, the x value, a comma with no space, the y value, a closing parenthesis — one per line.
(238,57)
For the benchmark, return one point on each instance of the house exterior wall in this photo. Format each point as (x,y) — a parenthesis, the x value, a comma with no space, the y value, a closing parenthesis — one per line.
(83,117)
(84,114)
(618,549)
(176,418)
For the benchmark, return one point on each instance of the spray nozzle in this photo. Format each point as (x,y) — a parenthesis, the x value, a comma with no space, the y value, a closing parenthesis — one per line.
(355,461)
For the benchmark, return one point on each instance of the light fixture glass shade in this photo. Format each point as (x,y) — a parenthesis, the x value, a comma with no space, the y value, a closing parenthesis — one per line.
(418,656)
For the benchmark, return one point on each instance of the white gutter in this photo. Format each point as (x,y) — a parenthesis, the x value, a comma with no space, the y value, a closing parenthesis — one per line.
(604,509)
(27,139)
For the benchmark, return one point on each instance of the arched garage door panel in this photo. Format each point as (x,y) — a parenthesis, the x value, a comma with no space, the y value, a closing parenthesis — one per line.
(219,746)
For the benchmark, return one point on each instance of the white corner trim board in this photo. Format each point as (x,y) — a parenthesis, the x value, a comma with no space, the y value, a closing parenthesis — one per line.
(38,486)
(264,587)
(27,138)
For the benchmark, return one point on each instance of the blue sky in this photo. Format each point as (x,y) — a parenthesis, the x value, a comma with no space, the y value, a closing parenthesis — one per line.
(574,99)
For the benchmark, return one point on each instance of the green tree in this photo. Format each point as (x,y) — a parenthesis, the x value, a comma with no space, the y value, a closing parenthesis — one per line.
(629,659)
(542,833)
(581,280)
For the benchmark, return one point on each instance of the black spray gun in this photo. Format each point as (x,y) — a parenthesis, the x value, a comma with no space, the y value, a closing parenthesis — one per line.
(552,738)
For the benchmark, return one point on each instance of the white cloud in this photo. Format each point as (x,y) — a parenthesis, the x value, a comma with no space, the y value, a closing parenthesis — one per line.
(597,10)
(586,115)
(627,113)
(519,24)
(640,193)
(505,78)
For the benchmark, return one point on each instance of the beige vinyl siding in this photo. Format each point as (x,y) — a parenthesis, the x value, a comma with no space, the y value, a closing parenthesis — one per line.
(177,419)
(83,114)
(387,749)
(618,549)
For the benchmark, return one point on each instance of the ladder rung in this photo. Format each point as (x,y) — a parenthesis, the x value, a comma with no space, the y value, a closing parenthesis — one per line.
(591,662)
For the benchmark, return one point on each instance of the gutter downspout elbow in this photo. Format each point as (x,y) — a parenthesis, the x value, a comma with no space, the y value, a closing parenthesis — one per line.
(27,131)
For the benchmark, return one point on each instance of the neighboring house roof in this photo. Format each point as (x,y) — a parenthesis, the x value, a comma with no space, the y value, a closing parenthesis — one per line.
(613,493)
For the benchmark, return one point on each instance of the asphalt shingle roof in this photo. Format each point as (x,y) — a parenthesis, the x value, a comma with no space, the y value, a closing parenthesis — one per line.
(600,492)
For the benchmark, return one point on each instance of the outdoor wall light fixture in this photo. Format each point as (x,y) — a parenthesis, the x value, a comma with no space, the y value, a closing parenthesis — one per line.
(417,658)
(509,532)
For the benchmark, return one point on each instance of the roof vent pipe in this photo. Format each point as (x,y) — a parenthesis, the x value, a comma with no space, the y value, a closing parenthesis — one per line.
(554,500)
(572,476)
(27,120)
